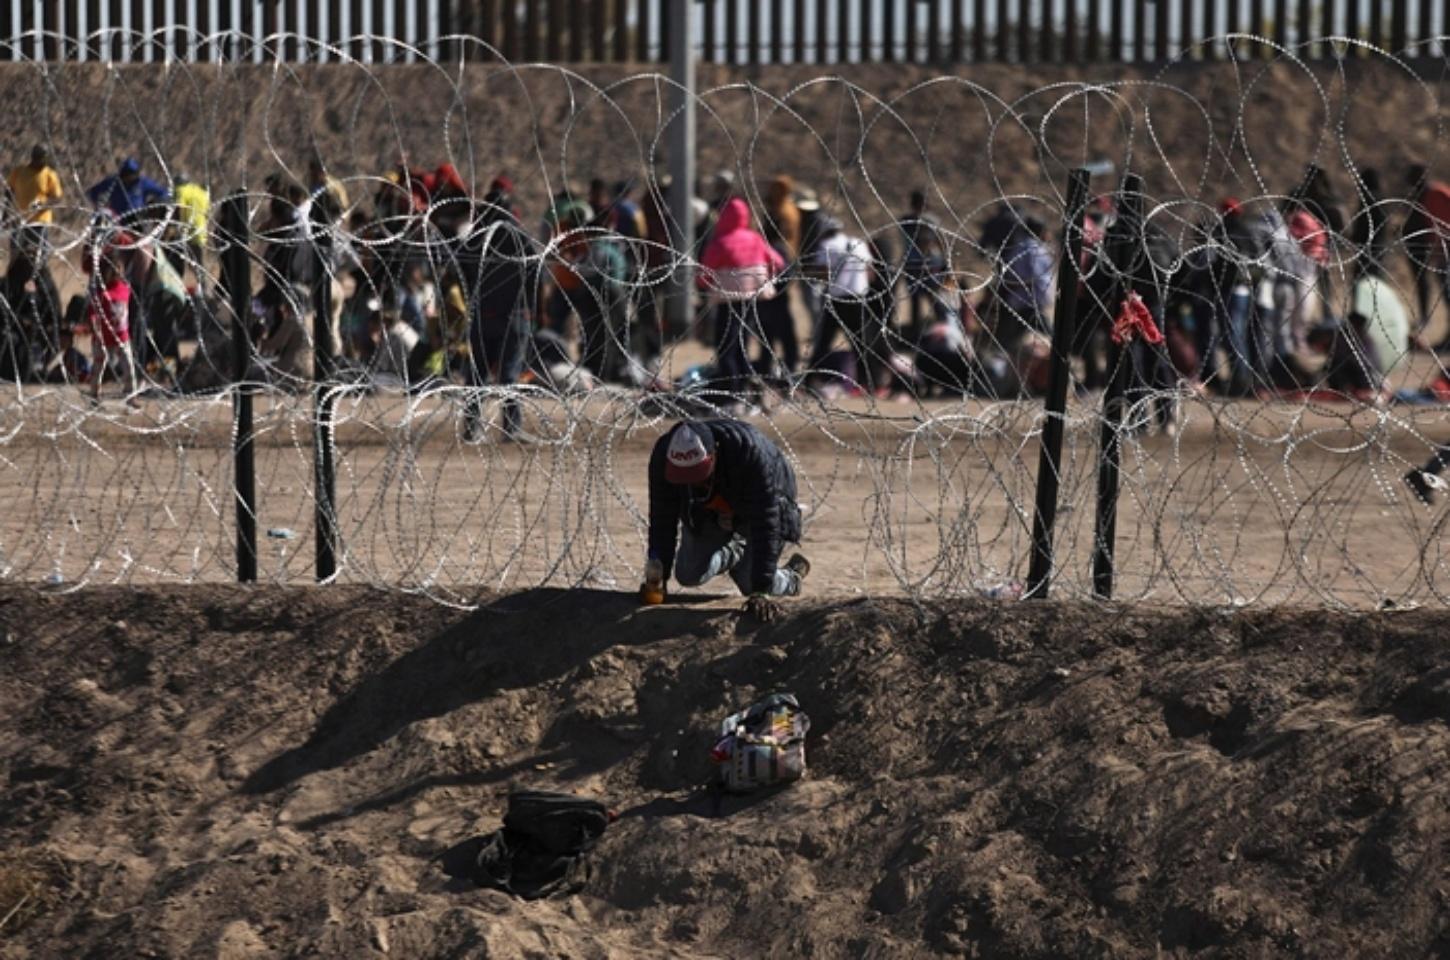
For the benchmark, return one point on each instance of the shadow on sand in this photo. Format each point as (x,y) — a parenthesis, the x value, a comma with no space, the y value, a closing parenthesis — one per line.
(517,641)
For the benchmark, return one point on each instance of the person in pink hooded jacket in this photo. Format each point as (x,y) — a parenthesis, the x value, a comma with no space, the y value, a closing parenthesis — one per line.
(738,268)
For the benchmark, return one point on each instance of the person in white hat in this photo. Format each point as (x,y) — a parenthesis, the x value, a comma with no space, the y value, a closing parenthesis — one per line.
(725,495)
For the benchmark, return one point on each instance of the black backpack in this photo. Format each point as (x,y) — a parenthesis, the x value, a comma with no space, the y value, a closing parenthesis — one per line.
(540,852)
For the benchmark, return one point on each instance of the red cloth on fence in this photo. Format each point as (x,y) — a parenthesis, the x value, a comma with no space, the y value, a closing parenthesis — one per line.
(1313,238)
(1135,319)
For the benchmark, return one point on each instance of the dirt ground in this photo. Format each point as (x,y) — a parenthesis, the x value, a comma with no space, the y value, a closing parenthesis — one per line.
(215,771)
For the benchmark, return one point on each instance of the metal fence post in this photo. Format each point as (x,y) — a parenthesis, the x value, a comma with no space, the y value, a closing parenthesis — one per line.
(1109,456)
(324,353)
(237,276)
(681,138)
(1399,26)
(1105,533)
(1064,319)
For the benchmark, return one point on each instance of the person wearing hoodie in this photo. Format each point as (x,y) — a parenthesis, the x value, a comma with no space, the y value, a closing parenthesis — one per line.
(126,193)
(739,268)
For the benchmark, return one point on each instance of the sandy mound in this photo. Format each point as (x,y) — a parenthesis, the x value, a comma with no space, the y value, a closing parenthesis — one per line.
(251,773)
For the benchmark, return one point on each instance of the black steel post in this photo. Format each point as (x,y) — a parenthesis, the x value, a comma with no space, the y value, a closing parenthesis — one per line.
(1120,254)
(1109,454)
(324,352)
(237,275)
(1039,578)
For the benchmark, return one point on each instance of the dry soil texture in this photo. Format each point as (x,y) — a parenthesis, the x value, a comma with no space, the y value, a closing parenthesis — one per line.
(217,771)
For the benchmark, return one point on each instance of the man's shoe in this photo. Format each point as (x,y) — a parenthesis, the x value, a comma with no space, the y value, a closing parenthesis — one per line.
(1420,486)
(799,566)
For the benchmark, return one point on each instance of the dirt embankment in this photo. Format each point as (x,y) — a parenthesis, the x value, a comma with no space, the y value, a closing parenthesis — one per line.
(214,771)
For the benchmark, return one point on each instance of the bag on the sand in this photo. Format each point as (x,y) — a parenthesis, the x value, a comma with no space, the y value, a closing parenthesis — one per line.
(541,850)
(763,746)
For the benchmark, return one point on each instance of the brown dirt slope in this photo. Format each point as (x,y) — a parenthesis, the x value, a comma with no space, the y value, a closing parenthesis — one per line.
(216,771)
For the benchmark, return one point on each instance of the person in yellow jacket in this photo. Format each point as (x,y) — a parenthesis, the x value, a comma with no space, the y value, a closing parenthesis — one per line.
(193,210)
(34,190)
(35,187)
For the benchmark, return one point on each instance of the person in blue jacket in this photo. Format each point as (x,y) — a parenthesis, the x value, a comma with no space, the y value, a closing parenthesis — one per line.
(126,192)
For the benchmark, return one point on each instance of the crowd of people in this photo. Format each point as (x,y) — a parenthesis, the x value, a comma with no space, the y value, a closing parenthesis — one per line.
(423,280)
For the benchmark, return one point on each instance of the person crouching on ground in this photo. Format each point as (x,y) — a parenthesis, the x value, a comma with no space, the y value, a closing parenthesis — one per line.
(724,493)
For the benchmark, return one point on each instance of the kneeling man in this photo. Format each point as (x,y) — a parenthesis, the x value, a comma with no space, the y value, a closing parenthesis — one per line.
(725,495)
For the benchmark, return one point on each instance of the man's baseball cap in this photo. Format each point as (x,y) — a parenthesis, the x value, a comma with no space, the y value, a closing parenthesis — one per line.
(690,458)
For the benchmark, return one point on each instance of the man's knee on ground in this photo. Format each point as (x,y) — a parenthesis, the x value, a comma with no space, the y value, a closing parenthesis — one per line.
(692,575)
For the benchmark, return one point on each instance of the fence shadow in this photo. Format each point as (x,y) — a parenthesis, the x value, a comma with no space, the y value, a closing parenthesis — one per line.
(518,641)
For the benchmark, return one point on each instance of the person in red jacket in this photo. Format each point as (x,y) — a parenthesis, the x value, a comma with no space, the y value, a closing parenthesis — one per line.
(108,315)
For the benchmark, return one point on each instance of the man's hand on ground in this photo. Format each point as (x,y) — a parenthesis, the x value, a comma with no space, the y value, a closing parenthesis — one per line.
(762,609)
